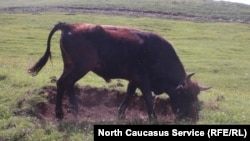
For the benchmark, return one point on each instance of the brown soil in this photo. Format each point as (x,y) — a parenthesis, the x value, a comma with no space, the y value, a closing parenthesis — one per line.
(101,105)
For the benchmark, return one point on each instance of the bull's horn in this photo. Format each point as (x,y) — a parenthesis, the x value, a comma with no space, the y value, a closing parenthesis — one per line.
(190,75)
(204,88)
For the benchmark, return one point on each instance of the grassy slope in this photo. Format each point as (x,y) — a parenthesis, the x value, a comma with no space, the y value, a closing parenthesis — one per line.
(218,52)
(201,8)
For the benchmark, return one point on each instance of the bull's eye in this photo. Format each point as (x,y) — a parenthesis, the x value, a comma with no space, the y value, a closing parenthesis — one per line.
(177,92)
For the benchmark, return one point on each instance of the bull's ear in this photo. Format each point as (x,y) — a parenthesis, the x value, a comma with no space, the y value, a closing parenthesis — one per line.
(180,86)
(204,88)
(190,75)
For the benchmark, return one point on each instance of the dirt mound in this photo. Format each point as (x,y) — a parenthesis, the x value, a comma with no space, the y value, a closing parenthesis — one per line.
(101,105)
(96,105)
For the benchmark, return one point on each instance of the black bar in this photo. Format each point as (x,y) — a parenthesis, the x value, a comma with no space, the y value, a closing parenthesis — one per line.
(204,132)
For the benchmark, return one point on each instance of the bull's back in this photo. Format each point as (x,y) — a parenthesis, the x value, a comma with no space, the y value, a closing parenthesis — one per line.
(120,52)
(127,52)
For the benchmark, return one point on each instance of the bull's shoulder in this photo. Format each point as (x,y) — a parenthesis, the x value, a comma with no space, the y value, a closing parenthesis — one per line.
(124,33)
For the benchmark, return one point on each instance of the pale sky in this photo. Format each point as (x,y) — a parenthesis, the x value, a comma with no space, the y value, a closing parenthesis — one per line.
(238,1)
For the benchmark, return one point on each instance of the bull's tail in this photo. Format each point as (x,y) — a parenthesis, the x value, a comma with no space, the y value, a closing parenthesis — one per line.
(43,60)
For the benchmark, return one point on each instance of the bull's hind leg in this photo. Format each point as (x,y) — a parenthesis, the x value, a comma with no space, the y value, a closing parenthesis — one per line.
(130,91)
(72,99)
(59,96)
(66,84)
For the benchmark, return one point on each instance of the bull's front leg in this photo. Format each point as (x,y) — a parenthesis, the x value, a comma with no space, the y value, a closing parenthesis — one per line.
(130,91)
(149,103)
(145,88)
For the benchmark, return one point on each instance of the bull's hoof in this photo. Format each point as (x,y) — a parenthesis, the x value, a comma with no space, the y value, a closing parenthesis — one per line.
(121,116)
(74,112)
(153,119)
(59,115)
(121,112)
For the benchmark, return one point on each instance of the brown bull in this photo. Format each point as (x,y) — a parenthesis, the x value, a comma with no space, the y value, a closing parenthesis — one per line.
(144,59)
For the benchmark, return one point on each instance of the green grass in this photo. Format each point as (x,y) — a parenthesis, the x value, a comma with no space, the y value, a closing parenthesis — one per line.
(217,52)
(191,8)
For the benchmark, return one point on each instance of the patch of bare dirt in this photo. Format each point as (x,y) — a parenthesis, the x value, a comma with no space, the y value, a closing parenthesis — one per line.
(100,105)
(96,105)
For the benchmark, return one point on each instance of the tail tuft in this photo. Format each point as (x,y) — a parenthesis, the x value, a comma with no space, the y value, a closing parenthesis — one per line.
(43,60)
(39,65)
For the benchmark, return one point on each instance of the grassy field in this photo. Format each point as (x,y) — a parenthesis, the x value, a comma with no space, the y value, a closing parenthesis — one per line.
(217,51)
(189,8)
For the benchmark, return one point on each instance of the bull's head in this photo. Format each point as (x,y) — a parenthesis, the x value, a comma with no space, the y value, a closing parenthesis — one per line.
(185,101)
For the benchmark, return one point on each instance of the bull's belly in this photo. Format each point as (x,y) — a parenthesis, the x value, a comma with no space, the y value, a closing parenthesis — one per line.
(161,85)
(108,74)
